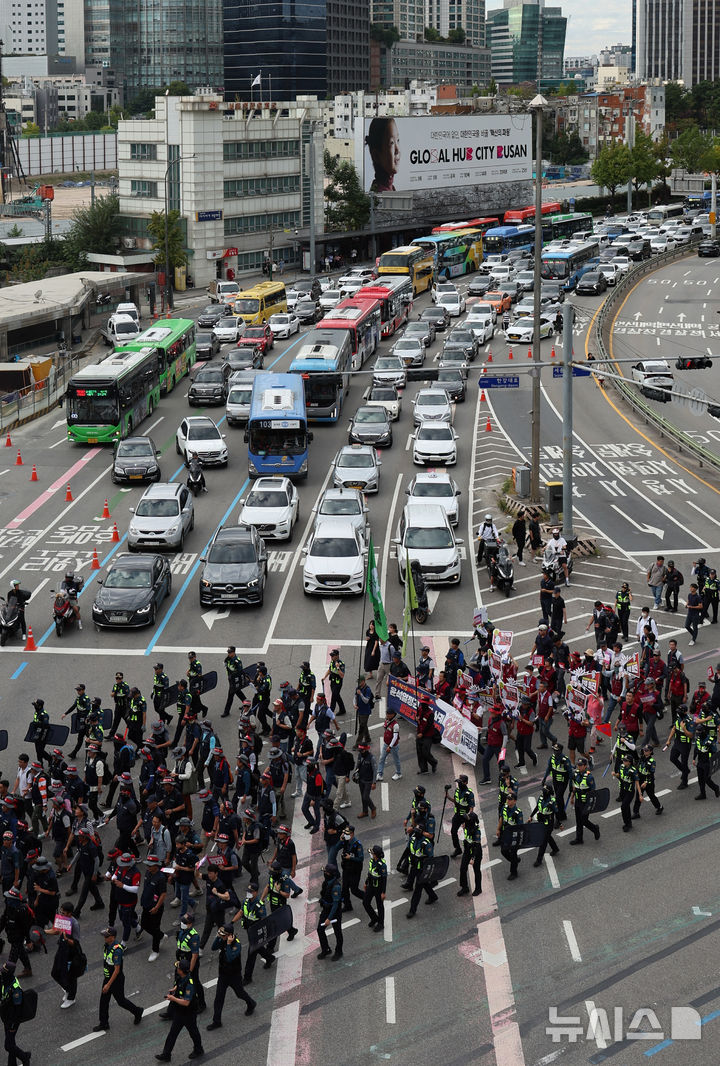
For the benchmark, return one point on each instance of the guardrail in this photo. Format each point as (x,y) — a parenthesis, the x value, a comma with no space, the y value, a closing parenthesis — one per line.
(24,404)
(601,332)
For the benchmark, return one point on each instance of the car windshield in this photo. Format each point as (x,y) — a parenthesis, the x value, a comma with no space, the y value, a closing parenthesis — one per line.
(334,547)
(280,320)
(232,553)
(463,336)
(134,449)
(247,306)
(432,312)
(407,345)
(370,414)
(255,332)
(383,394)
(203,338)
(203,432)
(429,538)
(157,508)
(121,577)
(332,294)
(267,498)
(434,433)
(355,460)
(341,507)
(431,399)
(212,375)
(388,362)
(211,310)
(451,376)
(592,277)
(433,489)
(240,396)
(227,323)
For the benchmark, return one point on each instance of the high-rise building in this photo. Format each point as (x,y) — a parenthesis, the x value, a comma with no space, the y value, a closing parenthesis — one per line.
(30,28)
(467,15)
(526,41)
(678,40)
(318,47)
(407,16)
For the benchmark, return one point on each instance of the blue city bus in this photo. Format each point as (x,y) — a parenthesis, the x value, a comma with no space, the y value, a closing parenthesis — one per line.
(697,202)
(323,363)
(568,264)
(455,252)
(504,239)
(277,435)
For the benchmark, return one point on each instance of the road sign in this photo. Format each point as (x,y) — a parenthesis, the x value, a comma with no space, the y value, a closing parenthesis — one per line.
(500,381)
(694,400)
(557,371)
(209,216)
(577,372)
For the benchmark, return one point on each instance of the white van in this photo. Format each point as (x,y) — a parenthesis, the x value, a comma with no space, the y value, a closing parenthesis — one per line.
(223,291)
(128,309)
(424,533)
(237,405)
(119,330)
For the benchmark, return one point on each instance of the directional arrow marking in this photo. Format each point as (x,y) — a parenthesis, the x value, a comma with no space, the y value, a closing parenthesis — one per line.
(330,607)
(433,596)
(640,526)
(701,914)
(210,617)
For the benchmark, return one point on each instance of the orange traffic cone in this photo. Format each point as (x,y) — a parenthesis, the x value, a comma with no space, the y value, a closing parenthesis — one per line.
(489,358)
(8,442)
(18,461)
(510,355)
(488,427)
(68,494)
(105,510)
(529,353)
(168,315)
(552,352)
(95,564)
(33,476)
(30,644)
(115,538)
(482,396)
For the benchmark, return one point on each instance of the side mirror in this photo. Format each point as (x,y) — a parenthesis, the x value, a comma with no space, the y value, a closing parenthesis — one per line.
(407,492)
(459,541)
(131,510)
(458,492)
(99,580)
(310,436)
(203,558)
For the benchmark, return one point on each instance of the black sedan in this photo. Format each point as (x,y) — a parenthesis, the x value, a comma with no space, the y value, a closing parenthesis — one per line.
(371,425)
(708,249)
(135,459)
(453,381)
(479,285)
(211,315)
(307,310)
(235,569)
(461,335)
(206,345)
(591,284)
(249,357)
(438,315)
(133,589)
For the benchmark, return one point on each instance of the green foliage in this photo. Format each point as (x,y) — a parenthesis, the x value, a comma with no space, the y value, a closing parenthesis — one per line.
(347,207)
(36,261)
(15,231)
(386,35)
(95,228)
(613,166)
(176,245)
(457,36)
(31,129)
(431,34)
(565,149)
(492,87)
(689,149)
(644,160)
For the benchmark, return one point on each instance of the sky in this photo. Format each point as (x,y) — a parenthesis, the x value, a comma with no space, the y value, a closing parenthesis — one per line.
(591,28)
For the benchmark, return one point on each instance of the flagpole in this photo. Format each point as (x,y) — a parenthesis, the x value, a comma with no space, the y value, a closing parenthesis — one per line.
(360,660)
(408,578)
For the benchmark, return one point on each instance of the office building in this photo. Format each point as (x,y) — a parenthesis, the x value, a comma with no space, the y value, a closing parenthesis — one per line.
(319,48)
(678,40)
(29,28)
(407,16)
(599,118)
(441,64)
(448,15)
(527,42)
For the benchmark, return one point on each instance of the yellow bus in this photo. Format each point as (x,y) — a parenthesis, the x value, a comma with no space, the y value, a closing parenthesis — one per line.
(410,259)
(255,305)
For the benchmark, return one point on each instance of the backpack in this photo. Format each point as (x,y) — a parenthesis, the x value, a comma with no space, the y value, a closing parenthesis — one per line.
(28,1007)
(322,721)
(133,753)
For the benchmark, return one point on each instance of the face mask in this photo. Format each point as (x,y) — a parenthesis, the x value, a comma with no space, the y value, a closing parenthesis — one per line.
(250,895)
(183,926)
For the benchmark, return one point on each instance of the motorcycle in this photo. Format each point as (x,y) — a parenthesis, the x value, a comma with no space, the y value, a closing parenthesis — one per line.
(421,613)
(63,607)
(195,481)
(501,570)
(9,619)
(103,300)
(553,564)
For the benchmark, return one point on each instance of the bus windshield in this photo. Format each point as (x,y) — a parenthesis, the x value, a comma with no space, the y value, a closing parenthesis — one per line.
(92,407)
(555,268)
(247,306)
(390,260)
(276,441)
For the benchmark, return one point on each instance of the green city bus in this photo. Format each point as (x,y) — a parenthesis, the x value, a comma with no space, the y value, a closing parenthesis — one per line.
(174,339)
(106,401)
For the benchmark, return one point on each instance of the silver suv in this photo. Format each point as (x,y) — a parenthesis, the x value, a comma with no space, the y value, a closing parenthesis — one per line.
(163,516)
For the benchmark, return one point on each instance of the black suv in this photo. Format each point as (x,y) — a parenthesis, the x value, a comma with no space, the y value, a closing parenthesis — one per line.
(209,385)
(135,459)
(235,568)
(708,249)
(307,287)
(210,315)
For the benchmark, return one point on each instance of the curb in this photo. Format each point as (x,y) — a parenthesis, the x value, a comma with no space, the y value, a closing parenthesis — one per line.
(585,546)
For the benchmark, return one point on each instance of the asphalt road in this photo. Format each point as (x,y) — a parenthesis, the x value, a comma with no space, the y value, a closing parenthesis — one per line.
(610,925)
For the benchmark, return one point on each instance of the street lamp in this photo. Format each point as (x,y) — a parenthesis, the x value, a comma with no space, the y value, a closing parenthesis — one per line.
(537,105)
(168,286)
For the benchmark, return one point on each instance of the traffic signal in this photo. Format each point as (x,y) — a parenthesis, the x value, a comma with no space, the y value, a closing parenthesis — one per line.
(693,362)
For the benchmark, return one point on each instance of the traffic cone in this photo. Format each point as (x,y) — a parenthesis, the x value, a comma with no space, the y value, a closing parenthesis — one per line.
(115,538)
(482,396)
(33,476)
(95,564)
(30,644)
(8,442)
(552,352)
(168,315)
(68,494)
(529,353)
(489,358)
(105,510)
(488,427)
(18,461)
(510,355)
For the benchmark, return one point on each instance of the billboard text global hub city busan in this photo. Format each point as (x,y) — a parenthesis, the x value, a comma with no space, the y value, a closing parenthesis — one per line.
(435,152)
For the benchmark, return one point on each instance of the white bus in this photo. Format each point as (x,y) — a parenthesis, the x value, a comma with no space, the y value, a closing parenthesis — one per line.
(656,216)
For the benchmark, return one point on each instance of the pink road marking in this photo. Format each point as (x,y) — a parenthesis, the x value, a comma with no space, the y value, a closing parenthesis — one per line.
(49,492)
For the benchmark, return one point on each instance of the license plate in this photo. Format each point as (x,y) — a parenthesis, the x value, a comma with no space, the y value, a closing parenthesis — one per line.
(135,477)
(333,584)
(92,440)
(118,618)
(355,485)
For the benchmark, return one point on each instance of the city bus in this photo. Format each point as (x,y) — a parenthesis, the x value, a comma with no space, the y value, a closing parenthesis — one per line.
(656,216)
(106,401)
(277,435)
(323,362)
(698,202)
(412,260)
(505,239)
(174,342)
(360,315)
(395,298)
(472,223)
(567,264)
(558,227)
(255,305)
(455,252)
(526,214)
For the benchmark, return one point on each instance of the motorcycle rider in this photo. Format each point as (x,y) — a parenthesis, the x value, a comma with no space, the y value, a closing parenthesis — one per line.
(557,550)
(195,473)
(21,597)
(488,538)
(71,585)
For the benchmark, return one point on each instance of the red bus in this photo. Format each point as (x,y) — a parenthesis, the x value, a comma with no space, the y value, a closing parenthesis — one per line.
(394,293)
(474,223)
(360,315)
(526,214)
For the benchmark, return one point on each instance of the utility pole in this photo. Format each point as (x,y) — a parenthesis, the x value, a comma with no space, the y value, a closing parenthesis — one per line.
(536,105)
(311,171)
(630,142)
(713,204)
(567,434)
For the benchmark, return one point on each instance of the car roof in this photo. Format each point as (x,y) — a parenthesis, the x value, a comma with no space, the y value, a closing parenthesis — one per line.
(366,449)
(139,437)
(433,475)
(234,533)
(369,407)
(270,483)
(425,514)
(335,526)
(204,419)
(140,561)
(162,490)
(342,493)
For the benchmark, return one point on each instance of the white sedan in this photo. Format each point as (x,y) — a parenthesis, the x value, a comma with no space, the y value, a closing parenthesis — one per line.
(435,486)
(432,405)
(334,560)
(434,442)
(482,325)
(272,506)
(284,325)
(523,331)
(229,330)
(453,302)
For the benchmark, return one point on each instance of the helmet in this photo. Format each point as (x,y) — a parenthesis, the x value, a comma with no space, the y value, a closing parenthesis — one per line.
(69,576)
(488,517)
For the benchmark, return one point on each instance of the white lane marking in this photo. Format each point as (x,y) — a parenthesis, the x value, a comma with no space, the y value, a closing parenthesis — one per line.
(82,1040)
(595,1028)
(388,538)
(572,941)
(703,512)
(156,422)
(63,440)
(349,922)
(282,1045)
(40,586)
(384,796)
(408,443)
(330,606)
(446,882)
(390,1000)
(471,503)
(552,872)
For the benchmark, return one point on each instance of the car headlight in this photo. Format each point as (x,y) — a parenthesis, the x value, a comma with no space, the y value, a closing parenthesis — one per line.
(205,584)
(303,467)
(144,610)
(132,530)
(119,469)
(252,469)
(96,609)
(253,584)
(174,527)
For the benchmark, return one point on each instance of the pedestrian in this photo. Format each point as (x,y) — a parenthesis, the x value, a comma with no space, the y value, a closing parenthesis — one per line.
(371,657)
(16,920)
(546,810)
(383,670)
(496,734)
(545,704)
(120,695)
(673,580)
(421,862)
(646,781)
(11,1013)
(694,606)
(182,1011)
(629,790)
(525,729)
(277,892)
(472,855)
(252,911)
(286,854)
(711,597)
(330,913)
(655,579)
(323,718)
(113,986)
(152,902)
(235,676)
(558,611)
(364,702)
(547,588)
(375,889)
(70,961)
(425,735)
(463,800)
(88,867)
(582,784)
(519,534)
(229,951)
(704,750)
(364,775)
(352,858)
(390,743)
(335,673)
(343,767)
(314,790)
(126,886)
(623,603)
(302,750)
(535,534)
(219,895)
(398,667)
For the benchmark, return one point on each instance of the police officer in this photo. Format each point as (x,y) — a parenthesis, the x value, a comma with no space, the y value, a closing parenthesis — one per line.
(182,1011)
(152,902)
(704,751)
(375,888)
(235,674)
(183,705)
(81,708)
(681,735)
(352,857)
(113,986)
(136,716)
(187,953)
(261,699)
(421,854)
(464,801)
(506,786)
(472,854)
(511,817)
(582,784)
(307,684)
(546,810)
(629,790)
(229,951)
(11,998)
(711,597)
(623,600)
(161,684)
(253,910)
(330,912)
(277,892)
(121,695)
(646,781)
(194,676)
(335,673)
(39,725)
(560,770)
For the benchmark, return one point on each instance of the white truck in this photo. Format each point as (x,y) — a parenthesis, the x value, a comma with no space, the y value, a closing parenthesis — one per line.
(223,291)
(119,329)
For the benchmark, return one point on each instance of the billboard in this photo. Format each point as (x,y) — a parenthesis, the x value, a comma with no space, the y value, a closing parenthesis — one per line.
(437,151)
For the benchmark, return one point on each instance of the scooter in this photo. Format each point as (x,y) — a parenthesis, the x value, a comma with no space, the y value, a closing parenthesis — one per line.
(196,481)
(9,619)
(63,612)
(421,613)
(552,563)
(501,570)
(103,300)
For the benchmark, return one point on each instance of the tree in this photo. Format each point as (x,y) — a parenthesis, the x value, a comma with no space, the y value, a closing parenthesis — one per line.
(176,245)
(95,120)
(457,36)
(662,161)
(177,88)
(710,161)
(95,228)
(612,167)
(566,149)
(15,231)
(386,35)
(678,105)
(347,207)
(143,102)
(431,34)
(492,87)
(644,160)
(31,129)
(689,148)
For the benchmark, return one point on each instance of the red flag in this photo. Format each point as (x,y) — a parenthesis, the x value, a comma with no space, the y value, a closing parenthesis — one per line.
(604,727)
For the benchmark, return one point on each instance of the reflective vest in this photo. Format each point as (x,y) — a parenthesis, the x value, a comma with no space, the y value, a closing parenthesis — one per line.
(183,942)
(560,767)
(511,815)
(622,600)
(463,800)
(646,769)
(627,779)
(276,884)
(546,809)
(160,683)
(377,870)
(108,964)
(583,784)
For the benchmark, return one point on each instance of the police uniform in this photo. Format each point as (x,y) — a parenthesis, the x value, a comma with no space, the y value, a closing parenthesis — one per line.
(136,716)
(546,810)
(277,894)
(81,708)
(11,998)
(352,859)
(194,675)
(183,704)
(253,910)
(330,910)
(307,684)
(40,723)
(161,683)
(472,855)
(187,989)
(375,887)
(229,976)
(261,700)
(114,976)
(560,769)
(121,695)
(583,783)
(235,673)
(336,672)
(622,609)
(646,780)
(682,745)
(421,855)
(510,818)
(187,946)
(627,780)
(464,801)
(711,597)
(704,751)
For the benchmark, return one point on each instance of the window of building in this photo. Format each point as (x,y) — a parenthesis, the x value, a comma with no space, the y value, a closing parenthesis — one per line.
(261,223)
(143,151)
(235,150)
(284,183)
(144,188)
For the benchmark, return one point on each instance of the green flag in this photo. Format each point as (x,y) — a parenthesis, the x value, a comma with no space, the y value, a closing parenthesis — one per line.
(374,595)
(410,604)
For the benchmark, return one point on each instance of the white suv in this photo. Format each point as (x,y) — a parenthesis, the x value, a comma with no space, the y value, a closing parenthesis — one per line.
(424,533)
(164,514)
